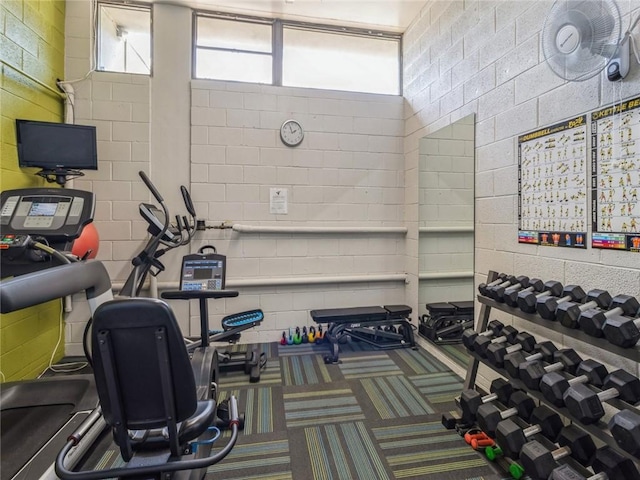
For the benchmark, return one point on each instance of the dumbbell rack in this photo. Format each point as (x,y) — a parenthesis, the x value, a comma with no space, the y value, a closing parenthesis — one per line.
(599,429)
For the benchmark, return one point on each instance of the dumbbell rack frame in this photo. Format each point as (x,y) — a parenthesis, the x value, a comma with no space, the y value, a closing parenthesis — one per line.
(599,429)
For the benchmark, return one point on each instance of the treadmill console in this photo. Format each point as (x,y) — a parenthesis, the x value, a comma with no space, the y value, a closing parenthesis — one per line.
(201,272)
(53,213)
(55,216)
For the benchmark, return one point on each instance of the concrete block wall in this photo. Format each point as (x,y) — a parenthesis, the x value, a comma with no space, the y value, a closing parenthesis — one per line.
(221,139)
(487,56)
(348,171)
(31,43)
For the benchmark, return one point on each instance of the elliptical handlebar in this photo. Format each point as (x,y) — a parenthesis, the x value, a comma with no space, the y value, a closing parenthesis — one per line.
(160,234)
(151,186)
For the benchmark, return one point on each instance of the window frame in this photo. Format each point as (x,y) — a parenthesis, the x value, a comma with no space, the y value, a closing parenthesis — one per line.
(277,36)
(124,4)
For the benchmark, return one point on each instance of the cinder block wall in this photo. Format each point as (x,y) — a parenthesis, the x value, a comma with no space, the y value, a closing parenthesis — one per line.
(221,139)
(31,41)
(485,58)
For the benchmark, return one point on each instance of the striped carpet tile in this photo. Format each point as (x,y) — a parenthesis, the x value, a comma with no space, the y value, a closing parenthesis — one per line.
(394,397)
(307,408)
(265,460)
(438,387)
(371,365)
(258,405)
(270,375)
(333,448)
(304,370)
(427,451)
(420,361)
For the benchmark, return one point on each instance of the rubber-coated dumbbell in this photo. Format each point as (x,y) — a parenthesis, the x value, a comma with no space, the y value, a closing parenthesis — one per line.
(591,321)
(471,400)
(625,429)
(482,288)
(527,300)
(510,296)
(478,440)
(568,313)
(532,372)
(496,352)
(553,385)
(469,335)
(507,335)
(538,461)
(546,306)
(512,438)
(585,404)
(497,291)
(495,452)
(608,465)
(544,351)
(489,416)
(622,331)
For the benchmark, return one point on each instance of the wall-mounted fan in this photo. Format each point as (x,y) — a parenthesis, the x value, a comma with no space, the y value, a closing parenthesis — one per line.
(580,38)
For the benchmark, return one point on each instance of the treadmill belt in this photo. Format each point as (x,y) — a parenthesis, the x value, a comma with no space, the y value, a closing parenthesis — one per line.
(25,431)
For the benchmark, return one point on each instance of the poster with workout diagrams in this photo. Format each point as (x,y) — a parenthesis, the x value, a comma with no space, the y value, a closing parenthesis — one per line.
(552,185)
(615,176)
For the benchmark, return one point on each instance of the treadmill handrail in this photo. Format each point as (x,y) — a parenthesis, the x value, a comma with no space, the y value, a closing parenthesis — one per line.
(39,287)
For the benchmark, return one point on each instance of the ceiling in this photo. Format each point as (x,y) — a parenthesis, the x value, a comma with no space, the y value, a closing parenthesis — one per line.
(389,15)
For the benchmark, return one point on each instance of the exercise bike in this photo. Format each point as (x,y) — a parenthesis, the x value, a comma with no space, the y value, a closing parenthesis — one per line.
(158,401)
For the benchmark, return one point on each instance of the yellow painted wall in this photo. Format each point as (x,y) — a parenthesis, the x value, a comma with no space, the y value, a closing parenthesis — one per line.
(31,41)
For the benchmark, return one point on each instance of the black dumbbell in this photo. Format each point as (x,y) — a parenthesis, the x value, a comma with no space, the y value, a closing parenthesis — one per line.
(471,400)
(496,352)
(553,385)
(546,306)
(527,300)
(497,291)
(532,372)
(510,296)
(591,321)
(539,462)
(482,288)
(512,438)
(489,416)
(608,465)
(568,313)
(622,331)
(544,351)
(585,404)
(469,335)
(507,335)
(625,429)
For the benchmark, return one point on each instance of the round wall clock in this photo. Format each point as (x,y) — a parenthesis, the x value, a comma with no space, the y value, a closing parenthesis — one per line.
(291,133)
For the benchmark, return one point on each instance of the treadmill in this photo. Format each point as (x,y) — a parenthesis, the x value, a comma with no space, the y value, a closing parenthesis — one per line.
(37,416)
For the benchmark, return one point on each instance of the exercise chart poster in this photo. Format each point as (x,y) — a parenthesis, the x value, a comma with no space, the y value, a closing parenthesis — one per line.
(615,176)
(552,189)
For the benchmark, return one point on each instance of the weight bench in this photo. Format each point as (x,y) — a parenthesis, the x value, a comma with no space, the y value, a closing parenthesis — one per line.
(445,321)
(383,327)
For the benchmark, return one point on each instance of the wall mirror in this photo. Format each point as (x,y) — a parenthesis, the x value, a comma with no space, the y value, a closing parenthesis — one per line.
(446,223)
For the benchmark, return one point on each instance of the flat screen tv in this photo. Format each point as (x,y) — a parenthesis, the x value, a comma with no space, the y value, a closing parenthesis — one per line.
(56,146)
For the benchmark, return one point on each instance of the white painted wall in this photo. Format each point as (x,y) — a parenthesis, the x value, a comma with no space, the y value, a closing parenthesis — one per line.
(358,164)
(221,139)
(483,57)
